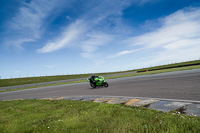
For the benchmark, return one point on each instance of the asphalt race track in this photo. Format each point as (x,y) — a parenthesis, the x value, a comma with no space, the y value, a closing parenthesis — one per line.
(183,85)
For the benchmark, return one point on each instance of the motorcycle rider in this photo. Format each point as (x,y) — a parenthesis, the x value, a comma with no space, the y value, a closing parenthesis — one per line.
(92,79)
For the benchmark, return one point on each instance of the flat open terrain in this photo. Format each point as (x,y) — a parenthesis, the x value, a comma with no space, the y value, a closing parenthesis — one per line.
(184,85)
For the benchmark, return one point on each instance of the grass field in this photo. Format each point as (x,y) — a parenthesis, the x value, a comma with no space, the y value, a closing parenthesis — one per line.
(72,82)
(181,64)
(157,71)
(86,117)
(31,80)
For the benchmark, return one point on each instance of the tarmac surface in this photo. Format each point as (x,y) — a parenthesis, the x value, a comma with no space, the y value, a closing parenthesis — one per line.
(182,85)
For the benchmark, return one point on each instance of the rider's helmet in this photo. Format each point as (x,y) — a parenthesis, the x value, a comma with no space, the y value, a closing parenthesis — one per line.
(93,74)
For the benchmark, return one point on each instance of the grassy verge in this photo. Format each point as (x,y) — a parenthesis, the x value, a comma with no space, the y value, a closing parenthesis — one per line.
(113,77)
(175,65)
(72,82)
(32,80)
(78,116)
(157,71)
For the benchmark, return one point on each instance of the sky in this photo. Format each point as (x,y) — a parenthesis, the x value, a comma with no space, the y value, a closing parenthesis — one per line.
(59,37)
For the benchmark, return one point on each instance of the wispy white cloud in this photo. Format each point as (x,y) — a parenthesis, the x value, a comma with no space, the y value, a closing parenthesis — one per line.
(90,31)
(122,53)
(182,25)
(26,25)
(177,32)
(93,41)
(178,38)
(17,42)
(70,34)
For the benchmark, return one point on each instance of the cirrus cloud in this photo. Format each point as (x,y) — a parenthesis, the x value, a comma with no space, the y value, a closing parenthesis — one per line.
(70,34)
(180,26)
(177,39)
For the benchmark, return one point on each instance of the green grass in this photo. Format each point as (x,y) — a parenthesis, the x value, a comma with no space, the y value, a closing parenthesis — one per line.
(72,82)
(181,64)
(31,80)
(78,116)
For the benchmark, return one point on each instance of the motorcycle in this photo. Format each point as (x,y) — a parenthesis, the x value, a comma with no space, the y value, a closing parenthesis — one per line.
(99,81)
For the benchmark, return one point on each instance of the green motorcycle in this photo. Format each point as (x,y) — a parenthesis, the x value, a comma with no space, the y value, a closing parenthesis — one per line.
(99,81)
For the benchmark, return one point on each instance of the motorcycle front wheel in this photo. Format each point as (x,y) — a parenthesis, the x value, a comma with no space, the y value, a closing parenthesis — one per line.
(93,85)
(106,84)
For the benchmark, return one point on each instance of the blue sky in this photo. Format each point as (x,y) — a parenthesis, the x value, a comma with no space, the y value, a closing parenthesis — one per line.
(54,37)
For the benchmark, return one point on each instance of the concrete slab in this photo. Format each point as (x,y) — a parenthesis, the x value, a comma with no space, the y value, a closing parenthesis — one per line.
(47,98)
(103,99)
(59,98)
(52,98)
(90,98)
(119,100)
(77,98)
(145,102)
(68,98)
(112,100)
(132,101)
(167,106)
(192,109)
(72,98)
